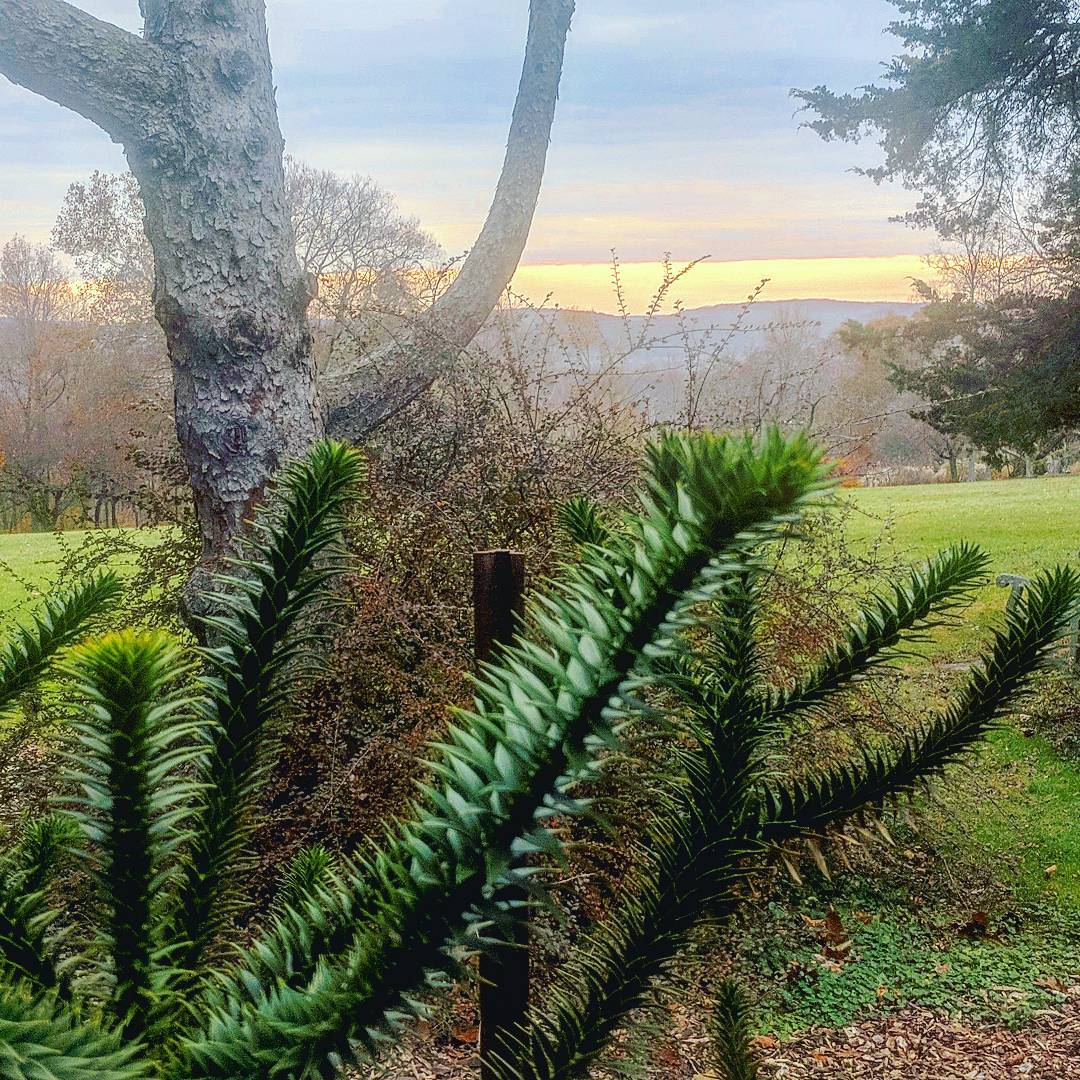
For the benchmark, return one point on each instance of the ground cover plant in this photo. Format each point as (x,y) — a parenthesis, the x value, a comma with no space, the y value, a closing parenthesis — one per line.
(174,747)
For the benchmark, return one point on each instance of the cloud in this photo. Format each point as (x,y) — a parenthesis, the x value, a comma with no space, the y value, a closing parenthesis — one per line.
(675,130)
(595,29)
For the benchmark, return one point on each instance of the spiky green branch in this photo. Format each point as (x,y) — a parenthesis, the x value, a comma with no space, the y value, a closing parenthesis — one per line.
(691,858)
(26,917)
(1032,628)
(729,1027)
(611,975)
(42,847)
(584,523)
(293,555)
(904,615)
(134,739)
(26,656)
(706,502)
(43,1040)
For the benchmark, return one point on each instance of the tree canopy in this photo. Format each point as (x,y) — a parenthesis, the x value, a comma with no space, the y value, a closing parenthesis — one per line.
(982,95)
(1003,376)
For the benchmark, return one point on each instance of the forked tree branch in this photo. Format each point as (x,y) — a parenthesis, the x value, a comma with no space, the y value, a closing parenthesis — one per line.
(460,312)
(100,71)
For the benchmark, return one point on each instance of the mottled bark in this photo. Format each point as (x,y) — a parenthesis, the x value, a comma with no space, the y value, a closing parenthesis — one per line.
(193,105)
(111,77)
(229,290)
(485,274)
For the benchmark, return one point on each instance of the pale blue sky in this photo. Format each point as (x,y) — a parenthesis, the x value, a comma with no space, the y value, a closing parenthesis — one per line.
(675,129)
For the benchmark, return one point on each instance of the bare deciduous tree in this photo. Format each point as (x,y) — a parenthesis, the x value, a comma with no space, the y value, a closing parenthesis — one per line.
(100,225)
(370,260)
(780,381)
(36,298)
(68,402)
(192,103)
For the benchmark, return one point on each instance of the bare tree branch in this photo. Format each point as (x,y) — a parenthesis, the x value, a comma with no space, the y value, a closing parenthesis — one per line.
(102,72)
(460,312)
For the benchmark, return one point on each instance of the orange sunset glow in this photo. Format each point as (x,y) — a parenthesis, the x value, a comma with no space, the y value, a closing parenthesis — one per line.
(589,286)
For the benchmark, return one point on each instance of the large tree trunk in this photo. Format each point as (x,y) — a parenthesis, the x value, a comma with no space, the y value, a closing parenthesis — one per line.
(193,105)
(229,291)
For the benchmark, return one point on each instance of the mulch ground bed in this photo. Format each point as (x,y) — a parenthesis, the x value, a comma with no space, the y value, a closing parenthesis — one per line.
(917,1044)
(910,1044)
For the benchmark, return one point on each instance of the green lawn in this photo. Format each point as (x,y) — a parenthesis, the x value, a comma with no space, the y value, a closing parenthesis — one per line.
(1029,798)
(1001,835)
(1024,526)
(29,562)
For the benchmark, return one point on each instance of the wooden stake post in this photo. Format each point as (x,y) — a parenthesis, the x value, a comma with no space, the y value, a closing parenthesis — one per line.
(498,596)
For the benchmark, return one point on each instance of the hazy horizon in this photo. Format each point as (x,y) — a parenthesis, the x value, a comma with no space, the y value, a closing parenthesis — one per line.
(885,279)
(675,133)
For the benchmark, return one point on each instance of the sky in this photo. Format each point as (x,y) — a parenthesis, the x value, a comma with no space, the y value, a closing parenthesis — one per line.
(675,133)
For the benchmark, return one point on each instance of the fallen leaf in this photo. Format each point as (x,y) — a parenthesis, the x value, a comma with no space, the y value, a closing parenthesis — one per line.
(834,929)
(668,1056)
(977,926)
(470,1035)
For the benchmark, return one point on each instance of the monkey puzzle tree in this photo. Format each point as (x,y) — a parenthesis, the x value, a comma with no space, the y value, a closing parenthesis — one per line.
(665,603)
(192,104)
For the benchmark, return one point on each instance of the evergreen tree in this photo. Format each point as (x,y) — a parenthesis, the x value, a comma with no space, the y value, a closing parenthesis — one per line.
(662,605)
(979,99)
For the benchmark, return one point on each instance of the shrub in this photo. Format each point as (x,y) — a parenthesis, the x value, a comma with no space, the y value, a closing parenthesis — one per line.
(172,761)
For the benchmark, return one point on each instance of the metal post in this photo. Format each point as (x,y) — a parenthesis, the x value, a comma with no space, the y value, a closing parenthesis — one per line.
(1016,583)
(498,594)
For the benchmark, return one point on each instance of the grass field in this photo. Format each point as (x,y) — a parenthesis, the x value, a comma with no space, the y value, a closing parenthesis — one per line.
(29,562)
(25,560)
(1003,839)
(1023,525)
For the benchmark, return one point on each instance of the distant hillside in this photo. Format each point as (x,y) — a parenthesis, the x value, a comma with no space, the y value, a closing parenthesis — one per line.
(831,314)
(827,315)
(600,334)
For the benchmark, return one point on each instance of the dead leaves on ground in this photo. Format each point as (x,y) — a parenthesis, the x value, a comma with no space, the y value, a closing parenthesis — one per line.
(910,1044)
